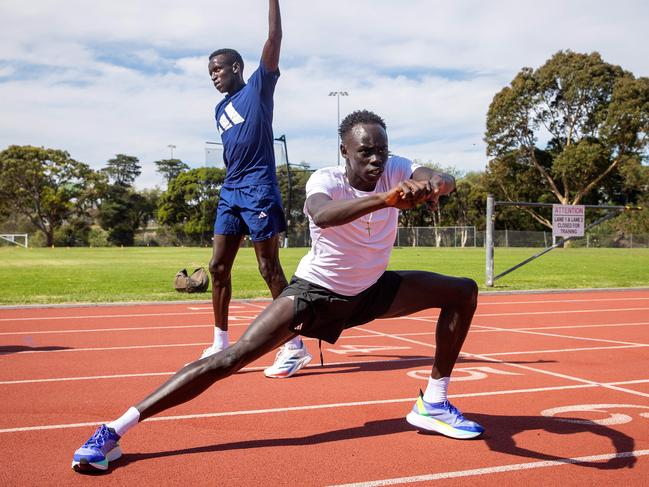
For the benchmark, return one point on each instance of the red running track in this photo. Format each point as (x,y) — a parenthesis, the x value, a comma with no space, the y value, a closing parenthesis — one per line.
(560,381)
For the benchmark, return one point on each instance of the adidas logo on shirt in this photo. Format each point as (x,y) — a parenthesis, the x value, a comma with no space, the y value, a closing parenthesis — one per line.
(262,215)
(229,119)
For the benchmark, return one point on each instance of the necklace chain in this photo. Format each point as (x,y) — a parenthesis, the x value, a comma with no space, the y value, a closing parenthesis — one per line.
(368,221)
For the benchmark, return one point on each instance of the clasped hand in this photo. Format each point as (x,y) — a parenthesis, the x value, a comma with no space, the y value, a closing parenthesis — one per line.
(410,193)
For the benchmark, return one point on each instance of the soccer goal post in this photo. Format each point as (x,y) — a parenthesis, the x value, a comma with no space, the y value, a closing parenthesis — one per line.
(19,239)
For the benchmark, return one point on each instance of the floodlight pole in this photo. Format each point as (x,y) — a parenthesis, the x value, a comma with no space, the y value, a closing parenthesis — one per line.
(172,147)
(338,94)
(282,139)
(489,241)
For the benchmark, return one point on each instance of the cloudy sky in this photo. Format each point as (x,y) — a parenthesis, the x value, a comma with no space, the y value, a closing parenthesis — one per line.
(97,78)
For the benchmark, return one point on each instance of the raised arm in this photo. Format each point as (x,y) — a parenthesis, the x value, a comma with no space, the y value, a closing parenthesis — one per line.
(270,54)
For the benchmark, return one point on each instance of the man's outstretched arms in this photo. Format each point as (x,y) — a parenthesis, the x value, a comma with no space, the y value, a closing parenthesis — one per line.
(270,54)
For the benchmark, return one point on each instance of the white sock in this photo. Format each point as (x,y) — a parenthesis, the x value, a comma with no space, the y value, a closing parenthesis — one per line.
(294,343)
(221,340)
(124,423)
(437,390)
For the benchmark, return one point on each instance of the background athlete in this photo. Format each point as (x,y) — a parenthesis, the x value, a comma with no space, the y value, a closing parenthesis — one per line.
(342,282)
(250,201)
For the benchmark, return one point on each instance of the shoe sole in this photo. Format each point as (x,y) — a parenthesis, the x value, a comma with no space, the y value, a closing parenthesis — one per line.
(430,424)
(300,364)
(84,465)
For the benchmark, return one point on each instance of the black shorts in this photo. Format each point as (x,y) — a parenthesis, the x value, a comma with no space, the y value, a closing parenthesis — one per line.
(322,314)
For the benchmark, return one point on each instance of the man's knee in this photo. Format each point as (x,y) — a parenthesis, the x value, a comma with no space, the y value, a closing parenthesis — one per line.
(218,270)
(269,269)
(468,291)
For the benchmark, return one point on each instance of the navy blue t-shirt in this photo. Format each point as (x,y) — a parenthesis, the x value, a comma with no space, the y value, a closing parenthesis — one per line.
(245,122)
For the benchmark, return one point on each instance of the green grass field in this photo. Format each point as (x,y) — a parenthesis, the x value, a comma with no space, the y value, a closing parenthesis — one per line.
(97,275)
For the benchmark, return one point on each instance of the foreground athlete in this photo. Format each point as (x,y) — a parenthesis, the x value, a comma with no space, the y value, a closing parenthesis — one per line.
(341,283)
(250,201)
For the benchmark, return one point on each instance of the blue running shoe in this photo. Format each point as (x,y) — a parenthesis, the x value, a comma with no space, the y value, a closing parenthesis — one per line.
(443,418)
(102,447)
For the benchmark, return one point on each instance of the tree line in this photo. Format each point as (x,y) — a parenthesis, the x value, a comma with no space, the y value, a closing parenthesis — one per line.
(573,131)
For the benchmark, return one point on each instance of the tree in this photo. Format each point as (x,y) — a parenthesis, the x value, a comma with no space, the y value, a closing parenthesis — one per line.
(123,169)
(294,206)
(45,185)
(123,211)
(170,168)
(567,132)
(189,204)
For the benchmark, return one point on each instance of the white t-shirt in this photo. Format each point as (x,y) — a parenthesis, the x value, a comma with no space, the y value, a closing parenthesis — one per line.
(349,258)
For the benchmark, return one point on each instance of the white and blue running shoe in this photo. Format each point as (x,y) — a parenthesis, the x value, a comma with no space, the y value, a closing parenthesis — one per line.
(102,447)
(288,361)
(443,418)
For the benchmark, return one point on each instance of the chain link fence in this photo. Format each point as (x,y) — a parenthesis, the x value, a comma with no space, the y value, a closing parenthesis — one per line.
(515,238)
(469,237)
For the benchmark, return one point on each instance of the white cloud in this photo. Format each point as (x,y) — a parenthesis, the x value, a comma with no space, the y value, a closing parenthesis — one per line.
(98,78)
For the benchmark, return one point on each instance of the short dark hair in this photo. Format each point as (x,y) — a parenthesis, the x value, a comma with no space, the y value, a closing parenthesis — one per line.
(359,116)
(231,55)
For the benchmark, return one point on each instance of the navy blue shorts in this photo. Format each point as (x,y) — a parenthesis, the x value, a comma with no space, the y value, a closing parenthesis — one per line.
(322,314)
(255,210)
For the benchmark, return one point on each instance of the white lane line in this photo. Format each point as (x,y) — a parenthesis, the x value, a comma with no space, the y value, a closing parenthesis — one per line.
(557,335)
(519,366)
(403,335)
(482,328)
(262,306)
(231,307)
(100,330)
(553,301)
(558,327)
(527,313)
(103,349)
(291,408)
(497,469)
(246,369)
(85,317)
(127,328)
(560,350)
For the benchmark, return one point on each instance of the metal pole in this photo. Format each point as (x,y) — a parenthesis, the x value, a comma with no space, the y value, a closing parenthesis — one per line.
(489,241)
(337,126)
(290,188)
(338,94)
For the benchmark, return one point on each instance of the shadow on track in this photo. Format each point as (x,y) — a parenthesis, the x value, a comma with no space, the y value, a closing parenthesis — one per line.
(9,349)
(500,437)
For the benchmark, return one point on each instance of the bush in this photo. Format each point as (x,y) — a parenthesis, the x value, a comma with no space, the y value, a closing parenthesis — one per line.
(98,237)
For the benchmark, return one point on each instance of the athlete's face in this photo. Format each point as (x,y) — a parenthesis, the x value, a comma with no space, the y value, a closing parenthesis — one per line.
(225,75)
(365,149)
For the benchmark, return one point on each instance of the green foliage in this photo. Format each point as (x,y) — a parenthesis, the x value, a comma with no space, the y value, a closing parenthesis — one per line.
(467,205)
(572,131)
(123,211)
(294,202)
(189,204)
(123,170)
(170,168)
(45,185)
(98,237)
